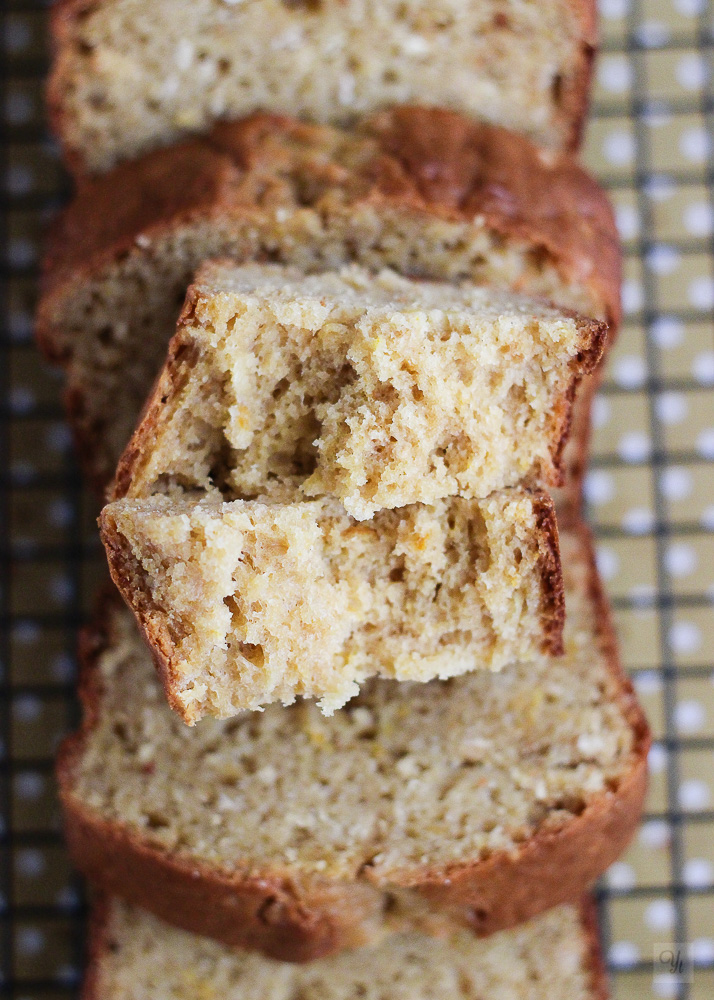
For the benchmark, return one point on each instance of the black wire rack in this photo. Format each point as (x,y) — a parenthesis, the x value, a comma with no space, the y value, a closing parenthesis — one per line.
(650,491)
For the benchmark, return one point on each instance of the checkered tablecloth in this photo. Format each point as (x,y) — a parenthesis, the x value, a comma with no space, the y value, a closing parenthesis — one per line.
(650,493)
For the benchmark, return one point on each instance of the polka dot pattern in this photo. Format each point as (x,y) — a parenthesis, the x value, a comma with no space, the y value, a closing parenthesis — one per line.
(649,492)
(649,488)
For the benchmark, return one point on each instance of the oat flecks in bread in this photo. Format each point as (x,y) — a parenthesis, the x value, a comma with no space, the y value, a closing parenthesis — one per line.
(425,193)
(375,389)
(134,956)
(131,75)
(246,603)
(297,834)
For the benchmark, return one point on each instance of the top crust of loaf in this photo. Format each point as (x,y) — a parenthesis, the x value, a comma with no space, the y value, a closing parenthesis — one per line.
(130,950)
(412,160)
(561,129)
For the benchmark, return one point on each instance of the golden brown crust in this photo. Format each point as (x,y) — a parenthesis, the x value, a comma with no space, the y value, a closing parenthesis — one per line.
(170,381)
(463,170)
(569,498)
(127,578)
(545,200)
(168,189)
(270,912)
(571,453)
(553,614)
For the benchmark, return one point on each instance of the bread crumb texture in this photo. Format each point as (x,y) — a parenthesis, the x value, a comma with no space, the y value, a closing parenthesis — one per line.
(131,75)
(545,959)
(405,777)
(254,602)
(378,390)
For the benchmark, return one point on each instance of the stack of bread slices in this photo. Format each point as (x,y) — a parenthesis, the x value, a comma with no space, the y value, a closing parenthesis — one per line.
(332,299)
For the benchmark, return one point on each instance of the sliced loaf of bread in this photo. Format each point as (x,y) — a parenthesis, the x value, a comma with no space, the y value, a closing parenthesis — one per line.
(245,603)
(131,75)
(379,390)
(134,956)
(425,193)
(487,798)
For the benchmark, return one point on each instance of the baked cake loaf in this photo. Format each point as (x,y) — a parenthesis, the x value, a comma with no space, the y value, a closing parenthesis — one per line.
(131,75)
(425,193)
(379,390)
(488,797)
(134,956)
(245,603)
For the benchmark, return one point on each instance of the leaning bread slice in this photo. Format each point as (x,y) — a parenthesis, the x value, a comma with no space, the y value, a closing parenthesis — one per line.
(375,389)
(248,602)
(134,956)
(489,796)
(130,75)
(423,192)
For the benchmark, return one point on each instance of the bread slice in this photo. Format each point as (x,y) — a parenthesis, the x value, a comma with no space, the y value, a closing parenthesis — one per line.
(488,797)
(381,391)
(375,389)
(133,956)
(248,602)
(131,75)
(425,193)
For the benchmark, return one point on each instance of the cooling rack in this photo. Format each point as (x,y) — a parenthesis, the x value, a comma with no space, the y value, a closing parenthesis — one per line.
(650,493)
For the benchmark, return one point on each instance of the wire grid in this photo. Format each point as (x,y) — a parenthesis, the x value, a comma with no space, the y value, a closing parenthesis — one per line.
(649,490)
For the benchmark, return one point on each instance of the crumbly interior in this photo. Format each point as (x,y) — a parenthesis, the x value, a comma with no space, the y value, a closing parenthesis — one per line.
(116,324)
(405,776)
(136,74)
(375,389)
(544,959)
(263,602)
